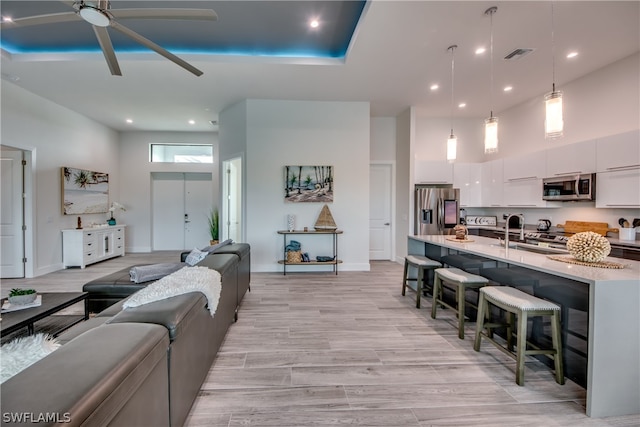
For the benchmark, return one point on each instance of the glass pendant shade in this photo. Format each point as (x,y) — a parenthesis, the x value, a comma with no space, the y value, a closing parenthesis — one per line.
(491,135)
(452,143)
(553,123)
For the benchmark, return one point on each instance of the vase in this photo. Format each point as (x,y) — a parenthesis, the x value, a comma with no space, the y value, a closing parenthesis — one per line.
(291,222)
(111,221)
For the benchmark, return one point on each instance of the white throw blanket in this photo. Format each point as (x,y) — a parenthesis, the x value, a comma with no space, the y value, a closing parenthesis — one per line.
(185,280)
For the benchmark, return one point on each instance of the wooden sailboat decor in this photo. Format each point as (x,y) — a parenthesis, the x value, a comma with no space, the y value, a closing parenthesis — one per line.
(325,220)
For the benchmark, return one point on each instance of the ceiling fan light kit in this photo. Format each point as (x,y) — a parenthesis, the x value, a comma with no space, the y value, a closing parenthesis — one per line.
(95,15)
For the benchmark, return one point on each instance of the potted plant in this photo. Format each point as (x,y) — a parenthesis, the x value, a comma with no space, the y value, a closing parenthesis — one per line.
(114,206)
(22,296)
(214,223)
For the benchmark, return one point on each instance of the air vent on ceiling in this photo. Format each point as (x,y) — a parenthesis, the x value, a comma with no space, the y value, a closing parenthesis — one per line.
(518,53)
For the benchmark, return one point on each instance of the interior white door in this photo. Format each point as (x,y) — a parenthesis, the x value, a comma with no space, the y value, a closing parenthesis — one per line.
(380,212)
(11,214)
(198,201)
(231,215)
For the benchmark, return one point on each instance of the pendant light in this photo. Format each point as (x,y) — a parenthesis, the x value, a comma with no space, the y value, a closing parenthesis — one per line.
(452,142)
(553,123)
(491,124)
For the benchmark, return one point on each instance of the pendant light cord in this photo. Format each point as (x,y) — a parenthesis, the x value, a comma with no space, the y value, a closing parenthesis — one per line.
(553,51)
(452,49)
(492,11)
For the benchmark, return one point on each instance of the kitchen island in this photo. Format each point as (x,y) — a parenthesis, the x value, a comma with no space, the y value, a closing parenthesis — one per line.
(613,350)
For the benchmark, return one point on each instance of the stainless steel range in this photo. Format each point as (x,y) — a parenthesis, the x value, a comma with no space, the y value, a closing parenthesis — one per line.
(551,239)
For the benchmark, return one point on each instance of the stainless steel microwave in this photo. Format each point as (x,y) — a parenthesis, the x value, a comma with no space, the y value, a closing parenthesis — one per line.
(570,188)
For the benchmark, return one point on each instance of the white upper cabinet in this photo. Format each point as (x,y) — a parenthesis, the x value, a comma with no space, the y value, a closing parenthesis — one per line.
(429,172)
(492,183)
(618,152)
(572,159)
(468,177)
(526,167)
(523,180)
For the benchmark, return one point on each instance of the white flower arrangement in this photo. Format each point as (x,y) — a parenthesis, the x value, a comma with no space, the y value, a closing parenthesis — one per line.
(114,207)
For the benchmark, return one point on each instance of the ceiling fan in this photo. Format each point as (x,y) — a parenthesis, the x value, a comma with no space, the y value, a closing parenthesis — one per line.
(100,15)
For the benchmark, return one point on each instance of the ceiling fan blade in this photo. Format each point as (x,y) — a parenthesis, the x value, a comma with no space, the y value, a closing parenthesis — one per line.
(51,18)
(193,14)
(107,49)
(151,45)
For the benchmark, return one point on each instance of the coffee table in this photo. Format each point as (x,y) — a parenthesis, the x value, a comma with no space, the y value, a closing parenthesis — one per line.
(52,302)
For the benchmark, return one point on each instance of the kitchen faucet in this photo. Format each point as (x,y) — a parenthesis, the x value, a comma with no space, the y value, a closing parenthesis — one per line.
(506,232)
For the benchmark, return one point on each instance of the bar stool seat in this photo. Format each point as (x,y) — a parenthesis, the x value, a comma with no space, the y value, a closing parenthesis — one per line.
(462,281)
(422,264)
(522,306)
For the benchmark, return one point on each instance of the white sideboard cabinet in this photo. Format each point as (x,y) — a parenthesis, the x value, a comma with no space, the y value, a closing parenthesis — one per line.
(86,246)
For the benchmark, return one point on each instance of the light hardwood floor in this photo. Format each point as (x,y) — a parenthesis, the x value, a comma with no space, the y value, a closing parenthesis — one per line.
(318,349)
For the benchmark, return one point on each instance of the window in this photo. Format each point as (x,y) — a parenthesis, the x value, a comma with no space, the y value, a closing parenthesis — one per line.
(181,153)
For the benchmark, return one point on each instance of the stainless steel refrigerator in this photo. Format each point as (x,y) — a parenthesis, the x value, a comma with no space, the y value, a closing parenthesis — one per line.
(437,208)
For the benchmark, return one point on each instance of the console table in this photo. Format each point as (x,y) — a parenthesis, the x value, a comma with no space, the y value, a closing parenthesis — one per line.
(334,263)
(88,245)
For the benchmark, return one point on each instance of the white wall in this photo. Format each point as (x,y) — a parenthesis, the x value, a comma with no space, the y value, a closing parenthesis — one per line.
(432,135)
(55,137)
(280,133)
(405,135)
(135,173)
(383,139)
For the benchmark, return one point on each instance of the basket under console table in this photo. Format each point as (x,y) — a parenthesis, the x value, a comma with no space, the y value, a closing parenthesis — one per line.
(333,233)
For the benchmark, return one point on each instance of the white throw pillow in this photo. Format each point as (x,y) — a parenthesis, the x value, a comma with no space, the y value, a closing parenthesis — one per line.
(21,353)
(195,256)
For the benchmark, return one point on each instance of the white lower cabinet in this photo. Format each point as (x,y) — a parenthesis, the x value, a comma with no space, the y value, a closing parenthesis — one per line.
(86,246)
(619,189)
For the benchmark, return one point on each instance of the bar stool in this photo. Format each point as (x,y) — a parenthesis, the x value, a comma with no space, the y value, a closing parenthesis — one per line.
(462,281)
(522,306)
(422,264)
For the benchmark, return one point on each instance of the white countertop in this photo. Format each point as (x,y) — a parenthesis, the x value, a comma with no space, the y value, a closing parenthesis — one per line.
(489,248)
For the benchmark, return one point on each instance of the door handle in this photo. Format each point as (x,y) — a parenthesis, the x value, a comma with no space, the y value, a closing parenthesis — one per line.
(386,223)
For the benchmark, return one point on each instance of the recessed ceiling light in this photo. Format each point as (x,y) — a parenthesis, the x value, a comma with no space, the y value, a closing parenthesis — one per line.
(434,87)
(508,88)
(129,121)
(572,55)
(7,19)
(192,122)
(314,23)
(480,50)
(462,105)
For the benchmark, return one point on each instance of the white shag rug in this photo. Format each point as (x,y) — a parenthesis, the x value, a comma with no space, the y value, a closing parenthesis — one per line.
(185,280)
(21,353)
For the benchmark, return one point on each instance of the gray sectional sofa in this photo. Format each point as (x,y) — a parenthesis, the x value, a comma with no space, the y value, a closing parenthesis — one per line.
(140,366)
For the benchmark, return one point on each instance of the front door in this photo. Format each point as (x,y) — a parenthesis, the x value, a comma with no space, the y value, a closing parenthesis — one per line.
(181,203)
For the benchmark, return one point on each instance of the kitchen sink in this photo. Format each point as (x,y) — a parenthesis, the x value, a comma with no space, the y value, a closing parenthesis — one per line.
(529,247)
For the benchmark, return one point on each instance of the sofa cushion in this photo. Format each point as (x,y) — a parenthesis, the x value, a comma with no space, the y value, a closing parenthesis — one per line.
(172,313)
